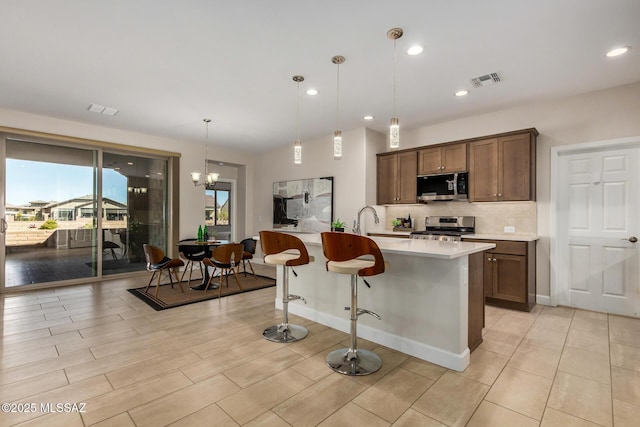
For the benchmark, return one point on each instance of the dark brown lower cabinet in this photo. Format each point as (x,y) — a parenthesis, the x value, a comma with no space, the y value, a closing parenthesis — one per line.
(509,272)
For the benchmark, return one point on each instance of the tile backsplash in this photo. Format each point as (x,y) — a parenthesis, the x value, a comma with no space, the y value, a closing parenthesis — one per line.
(491,218)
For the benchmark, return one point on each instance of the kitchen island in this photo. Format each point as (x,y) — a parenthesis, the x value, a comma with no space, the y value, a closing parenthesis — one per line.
(430,300)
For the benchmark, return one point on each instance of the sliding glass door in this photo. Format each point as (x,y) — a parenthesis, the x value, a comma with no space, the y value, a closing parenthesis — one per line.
(134,200)
(70,213)
(50,213)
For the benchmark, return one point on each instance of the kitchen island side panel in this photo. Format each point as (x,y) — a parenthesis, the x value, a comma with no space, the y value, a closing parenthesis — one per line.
(423,303)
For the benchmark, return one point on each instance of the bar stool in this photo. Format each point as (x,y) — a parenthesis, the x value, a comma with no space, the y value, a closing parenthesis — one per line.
(278,249)
(343,252)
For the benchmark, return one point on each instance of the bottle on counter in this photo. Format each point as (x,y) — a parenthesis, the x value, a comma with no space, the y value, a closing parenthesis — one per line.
(409,221)
(200,233)
(205,234)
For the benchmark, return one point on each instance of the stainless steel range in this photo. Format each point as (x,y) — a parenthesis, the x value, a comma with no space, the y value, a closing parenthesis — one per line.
(445,228)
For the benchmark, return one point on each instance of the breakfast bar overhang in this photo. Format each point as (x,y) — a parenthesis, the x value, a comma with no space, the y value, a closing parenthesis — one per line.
(429,297)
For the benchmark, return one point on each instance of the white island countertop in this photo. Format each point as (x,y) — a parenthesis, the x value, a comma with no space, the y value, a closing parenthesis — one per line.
(415,247)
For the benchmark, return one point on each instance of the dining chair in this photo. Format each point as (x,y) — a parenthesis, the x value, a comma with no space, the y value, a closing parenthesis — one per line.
(109,244)
(247,255)
(192,254)
(227,258)
(157,262)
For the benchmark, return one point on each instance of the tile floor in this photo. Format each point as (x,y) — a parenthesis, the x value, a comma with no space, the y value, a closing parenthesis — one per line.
(207,364)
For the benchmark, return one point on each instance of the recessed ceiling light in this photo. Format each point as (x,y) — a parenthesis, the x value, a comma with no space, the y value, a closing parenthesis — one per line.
(618,51)
(461,93)
(415,50)
(368,117)
(147,176)
(130,163)
(312,92)
(158,173)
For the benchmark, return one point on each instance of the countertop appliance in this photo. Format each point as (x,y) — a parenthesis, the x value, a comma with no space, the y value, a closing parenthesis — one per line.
(443,187)
(445,228)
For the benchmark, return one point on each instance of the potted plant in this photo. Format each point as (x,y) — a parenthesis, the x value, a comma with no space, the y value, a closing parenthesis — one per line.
(396,223)
(337,225)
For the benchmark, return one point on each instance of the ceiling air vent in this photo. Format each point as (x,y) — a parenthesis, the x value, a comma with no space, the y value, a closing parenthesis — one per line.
(486,80)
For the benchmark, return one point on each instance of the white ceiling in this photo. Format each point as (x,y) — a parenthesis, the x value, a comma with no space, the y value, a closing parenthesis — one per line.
(166,65)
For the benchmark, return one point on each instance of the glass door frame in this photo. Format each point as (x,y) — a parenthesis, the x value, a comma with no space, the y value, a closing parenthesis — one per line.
(171,210)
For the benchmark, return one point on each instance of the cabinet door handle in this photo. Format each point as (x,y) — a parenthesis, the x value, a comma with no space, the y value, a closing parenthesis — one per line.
(489,259)
(499,194)
(494,260)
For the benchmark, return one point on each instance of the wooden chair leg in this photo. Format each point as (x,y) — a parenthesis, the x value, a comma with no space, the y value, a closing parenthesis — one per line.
(170,278)
(251,267)
(222,270)
(175,273)
(236,276)
(158,282)
(208,282)
(150,280)
(185,270)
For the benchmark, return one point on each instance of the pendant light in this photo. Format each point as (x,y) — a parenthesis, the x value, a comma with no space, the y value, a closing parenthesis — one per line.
(394,126)
(297,147)
(210,178)
(337,135)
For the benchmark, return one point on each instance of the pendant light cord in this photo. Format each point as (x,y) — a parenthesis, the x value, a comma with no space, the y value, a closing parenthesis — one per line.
(206,148)
(338,98)
(394,77)
(298,113)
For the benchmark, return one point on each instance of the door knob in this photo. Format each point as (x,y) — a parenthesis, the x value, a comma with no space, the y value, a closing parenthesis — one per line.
(632,239)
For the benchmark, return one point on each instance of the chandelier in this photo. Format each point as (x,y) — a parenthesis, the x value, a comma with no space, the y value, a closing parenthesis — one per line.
(210,177)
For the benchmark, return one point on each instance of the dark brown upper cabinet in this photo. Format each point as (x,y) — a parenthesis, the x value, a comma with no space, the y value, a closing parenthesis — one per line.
(397,178)
(442,159)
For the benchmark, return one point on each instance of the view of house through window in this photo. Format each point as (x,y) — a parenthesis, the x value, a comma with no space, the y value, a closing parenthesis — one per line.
(217,210)
(56,230)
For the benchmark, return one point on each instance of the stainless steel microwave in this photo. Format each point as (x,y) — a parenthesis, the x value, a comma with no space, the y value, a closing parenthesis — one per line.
(443,187)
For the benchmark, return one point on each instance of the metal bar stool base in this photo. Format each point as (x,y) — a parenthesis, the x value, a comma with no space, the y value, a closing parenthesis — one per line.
(282,334)
(367,362)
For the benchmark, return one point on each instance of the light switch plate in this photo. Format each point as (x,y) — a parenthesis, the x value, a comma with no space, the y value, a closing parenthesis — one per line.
(509,229)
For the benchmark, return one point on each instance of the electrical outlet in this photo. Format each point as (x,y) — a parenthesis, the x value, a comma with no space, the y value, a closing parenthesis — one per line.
(509,229)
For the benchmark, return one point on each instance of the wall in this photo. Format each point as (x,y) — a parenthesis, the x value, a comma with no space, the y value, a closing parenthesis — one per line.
(191,199)
(594,116)
(352,174)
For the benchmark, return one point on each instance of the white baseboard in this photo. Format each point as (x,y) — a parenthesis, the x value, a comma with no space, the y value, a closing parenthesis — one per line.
(543,299)
(457,362)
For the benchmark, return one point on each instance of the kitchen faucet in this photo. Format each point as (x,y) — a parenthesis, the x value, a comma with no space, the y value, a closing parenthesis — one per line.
(356,224)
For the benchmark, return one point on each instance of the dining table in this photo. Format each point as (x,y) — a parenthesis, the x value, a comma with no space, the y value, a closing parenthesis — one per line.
(207,246)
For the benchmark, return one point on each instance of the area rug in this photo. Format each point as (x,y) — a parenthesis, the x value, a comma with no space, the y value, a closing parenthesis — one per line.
(172,297)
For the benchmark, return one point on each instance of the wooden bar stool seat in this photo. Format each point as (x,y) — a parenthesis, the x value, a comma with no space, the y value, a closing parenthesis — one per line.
(286,251)
(344,253)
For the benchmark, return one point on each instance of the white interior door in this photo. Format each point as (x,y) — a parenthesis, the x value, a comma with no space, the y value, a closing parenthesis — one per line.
(598,226)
